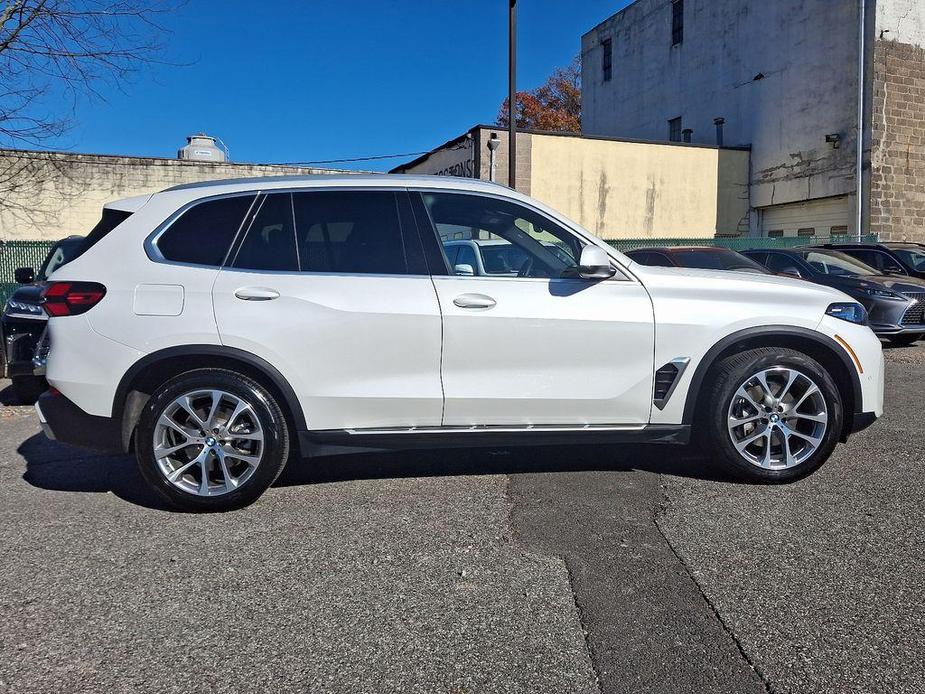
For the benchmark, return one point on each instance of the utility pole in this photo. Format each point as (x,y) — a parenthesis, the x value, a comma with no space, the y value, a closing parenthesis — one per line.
(512,95)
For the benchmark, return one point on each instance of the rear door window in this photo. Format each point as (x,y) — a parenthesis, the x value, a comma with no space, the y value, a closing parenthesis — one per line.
(203,234)
(354,232)
(269,244)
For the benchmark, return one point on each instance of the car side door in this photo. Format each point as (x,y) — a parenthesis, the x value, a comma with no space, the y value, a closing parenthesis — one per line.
(545,347)
(331,288)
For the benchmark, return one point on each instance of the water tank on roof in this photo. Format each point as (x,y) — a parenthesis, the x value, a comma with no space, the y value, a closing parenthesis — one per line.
(202,147)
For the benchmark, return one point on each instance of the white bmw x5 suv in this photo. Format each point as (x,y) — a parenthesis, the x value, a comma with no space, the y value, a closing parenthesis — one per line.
(217,329)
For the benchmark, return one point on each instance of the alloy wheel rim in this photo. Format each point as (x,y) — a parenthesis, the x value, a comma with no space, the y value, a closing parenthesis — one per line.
(208,442)
(777,418)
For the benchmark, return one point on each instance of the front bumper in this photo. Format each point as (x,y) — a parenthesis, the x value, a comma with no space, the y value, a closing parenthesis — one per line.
(65,422)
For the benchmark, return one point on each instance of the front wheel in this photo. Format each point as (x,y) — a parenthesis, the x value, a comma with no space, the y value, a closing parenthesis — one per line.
(211,440)
(773,415)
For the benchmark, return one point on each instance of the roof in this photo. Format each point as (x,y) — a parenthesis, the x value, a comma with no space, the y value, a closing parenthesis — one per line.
(359,180)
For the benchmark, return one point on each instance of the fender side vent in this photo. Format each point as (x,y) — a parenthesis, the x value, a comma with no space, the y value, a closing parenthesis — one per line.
(666,380)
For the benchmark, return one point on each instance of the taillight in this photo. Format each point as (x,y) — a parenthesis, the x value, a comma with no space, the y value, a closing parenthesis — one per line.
(71,298)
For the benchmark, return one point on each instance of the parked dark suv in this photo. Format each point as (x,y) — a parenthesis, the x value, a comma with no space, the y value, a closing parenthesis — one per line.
(702,257)
(895,304)
(24,321)
(888,258)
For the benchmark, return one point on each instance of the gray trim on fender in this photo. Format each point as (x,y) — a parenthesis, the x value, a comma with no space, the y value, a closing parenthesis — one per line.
(710,357)
(252,360)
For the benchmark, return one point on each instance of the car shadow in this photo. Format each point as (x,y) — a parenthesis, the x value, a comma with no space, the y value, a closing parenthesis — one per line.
(57,467)
(680,461)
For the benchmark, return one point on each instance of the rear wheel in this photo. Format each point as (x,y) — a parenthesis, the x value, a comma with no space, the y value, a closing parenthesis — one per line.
(211,440)
(773,415)
(905,340)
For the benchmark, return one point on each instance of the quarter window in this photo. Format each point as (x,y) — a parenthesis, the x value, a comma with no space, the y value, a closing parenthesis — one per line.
(350,232)
(513,240)
(203,234)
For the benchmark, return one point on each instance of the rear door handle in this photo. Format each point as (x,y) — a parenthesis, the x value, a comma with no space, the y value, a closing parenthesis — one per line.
(474,301)
(256,294)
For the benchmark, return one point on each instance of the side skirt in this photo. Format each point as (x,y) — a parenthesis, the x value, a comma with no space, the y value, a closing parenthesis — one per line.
(345,441)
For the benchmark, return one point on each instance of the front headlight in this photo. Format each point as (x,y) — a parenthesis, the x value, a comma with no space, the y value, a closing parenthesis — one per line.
(853,313)
(883,294)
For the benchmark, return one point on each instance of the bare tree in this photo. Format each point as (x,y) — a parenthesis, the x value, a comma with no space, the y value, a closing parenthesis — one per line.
(68,48)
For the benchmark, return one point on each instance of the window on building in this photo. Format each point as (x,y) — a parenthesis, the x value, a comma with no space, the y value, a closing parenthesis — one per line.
(776,234)
(806,231)
(607,59)
(675,133)
(677,22)
(203,234)
(840,230)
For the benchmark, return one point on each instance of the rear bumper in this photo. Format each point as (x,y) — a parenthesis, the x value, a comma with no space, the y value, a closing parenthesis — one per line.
(65,422)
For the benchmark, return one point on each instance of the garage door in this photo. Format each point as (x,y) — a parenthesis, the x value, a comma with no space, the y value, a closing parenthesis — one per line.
(826,217)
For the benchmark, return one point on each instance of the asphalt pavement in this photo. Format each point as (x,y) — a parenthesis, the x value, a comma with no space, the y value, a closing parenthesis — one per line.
(536,570)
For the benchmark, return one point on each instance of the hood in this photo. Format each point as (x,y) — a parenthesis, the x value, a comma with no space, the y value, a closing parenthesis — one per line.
(679,279)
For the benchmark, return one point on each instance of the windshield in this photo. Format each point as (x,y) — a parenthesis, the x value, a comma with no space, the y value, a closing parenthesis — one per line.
(838,264)
(912,257)
(718,259)
(61,253)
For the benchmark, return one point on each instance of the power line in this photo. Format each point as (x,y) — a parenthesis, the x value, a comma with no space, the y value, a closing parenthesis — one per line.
(343,161)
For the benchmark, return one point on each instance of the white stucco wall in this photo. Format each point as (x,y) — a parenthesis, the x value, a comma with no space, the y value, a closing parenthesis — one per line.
(806,51)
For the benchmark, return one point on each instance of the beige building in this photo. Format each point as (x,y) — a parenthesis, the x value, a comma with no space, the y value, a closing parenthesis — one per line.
(614,188)
(49,195)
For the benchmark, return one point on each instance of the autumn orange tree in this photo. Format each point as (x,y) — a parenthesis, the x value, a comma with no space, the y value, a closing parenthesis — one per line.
(554,106)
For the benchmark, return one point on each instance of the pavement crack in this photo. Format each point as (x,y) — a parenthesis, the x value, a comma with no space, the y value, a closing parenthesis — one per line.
(661,510)
(589,649)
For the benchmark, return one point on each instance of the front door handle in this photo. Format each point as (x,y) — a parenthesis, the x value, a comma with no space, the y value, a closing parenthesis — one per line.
(256,294)
(474,301)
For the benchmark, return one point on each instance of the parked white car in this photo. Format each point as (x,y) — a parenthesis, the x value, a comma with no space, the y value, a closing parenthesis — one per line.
(216,329)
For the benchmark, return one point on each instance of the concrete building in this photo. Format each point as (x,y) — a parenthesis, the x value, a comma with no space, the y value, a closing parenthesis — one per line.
(614,188)
(781,78)
(49,195)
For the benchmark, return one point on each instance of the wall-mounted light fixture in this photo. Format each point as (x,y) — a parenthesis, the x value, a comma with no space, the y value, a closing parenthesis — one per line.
(834,139)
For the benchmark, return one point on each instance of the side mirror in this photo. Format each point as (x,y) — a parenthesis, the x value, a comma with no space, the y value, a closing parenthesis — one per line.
(464,270)
(894,270)
(595,264)
(24,275)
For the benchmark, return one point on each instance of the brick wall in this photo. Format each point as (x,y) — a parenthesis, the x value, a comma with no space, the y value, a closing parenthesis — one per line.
(897,209)
(49,195)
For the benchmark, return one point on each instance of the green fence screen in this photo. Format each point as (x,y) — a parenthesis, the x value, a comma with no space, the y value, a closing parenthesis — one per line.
(14,254)
(739,243)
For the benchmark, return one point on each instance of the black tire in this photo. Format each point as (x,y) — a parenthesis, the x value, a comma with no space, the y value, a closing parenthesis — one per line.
(905,340)
(272,424)
(28,389)
(723,382)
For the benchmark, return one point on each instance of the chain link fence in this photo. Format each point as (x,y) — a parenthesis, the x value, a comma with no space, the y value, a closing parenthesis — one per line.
(15,254)
(739,243)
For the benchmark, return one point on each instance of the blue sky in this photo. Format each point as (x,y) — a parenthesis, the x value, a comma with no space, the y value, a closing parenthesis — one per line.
(289,80)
